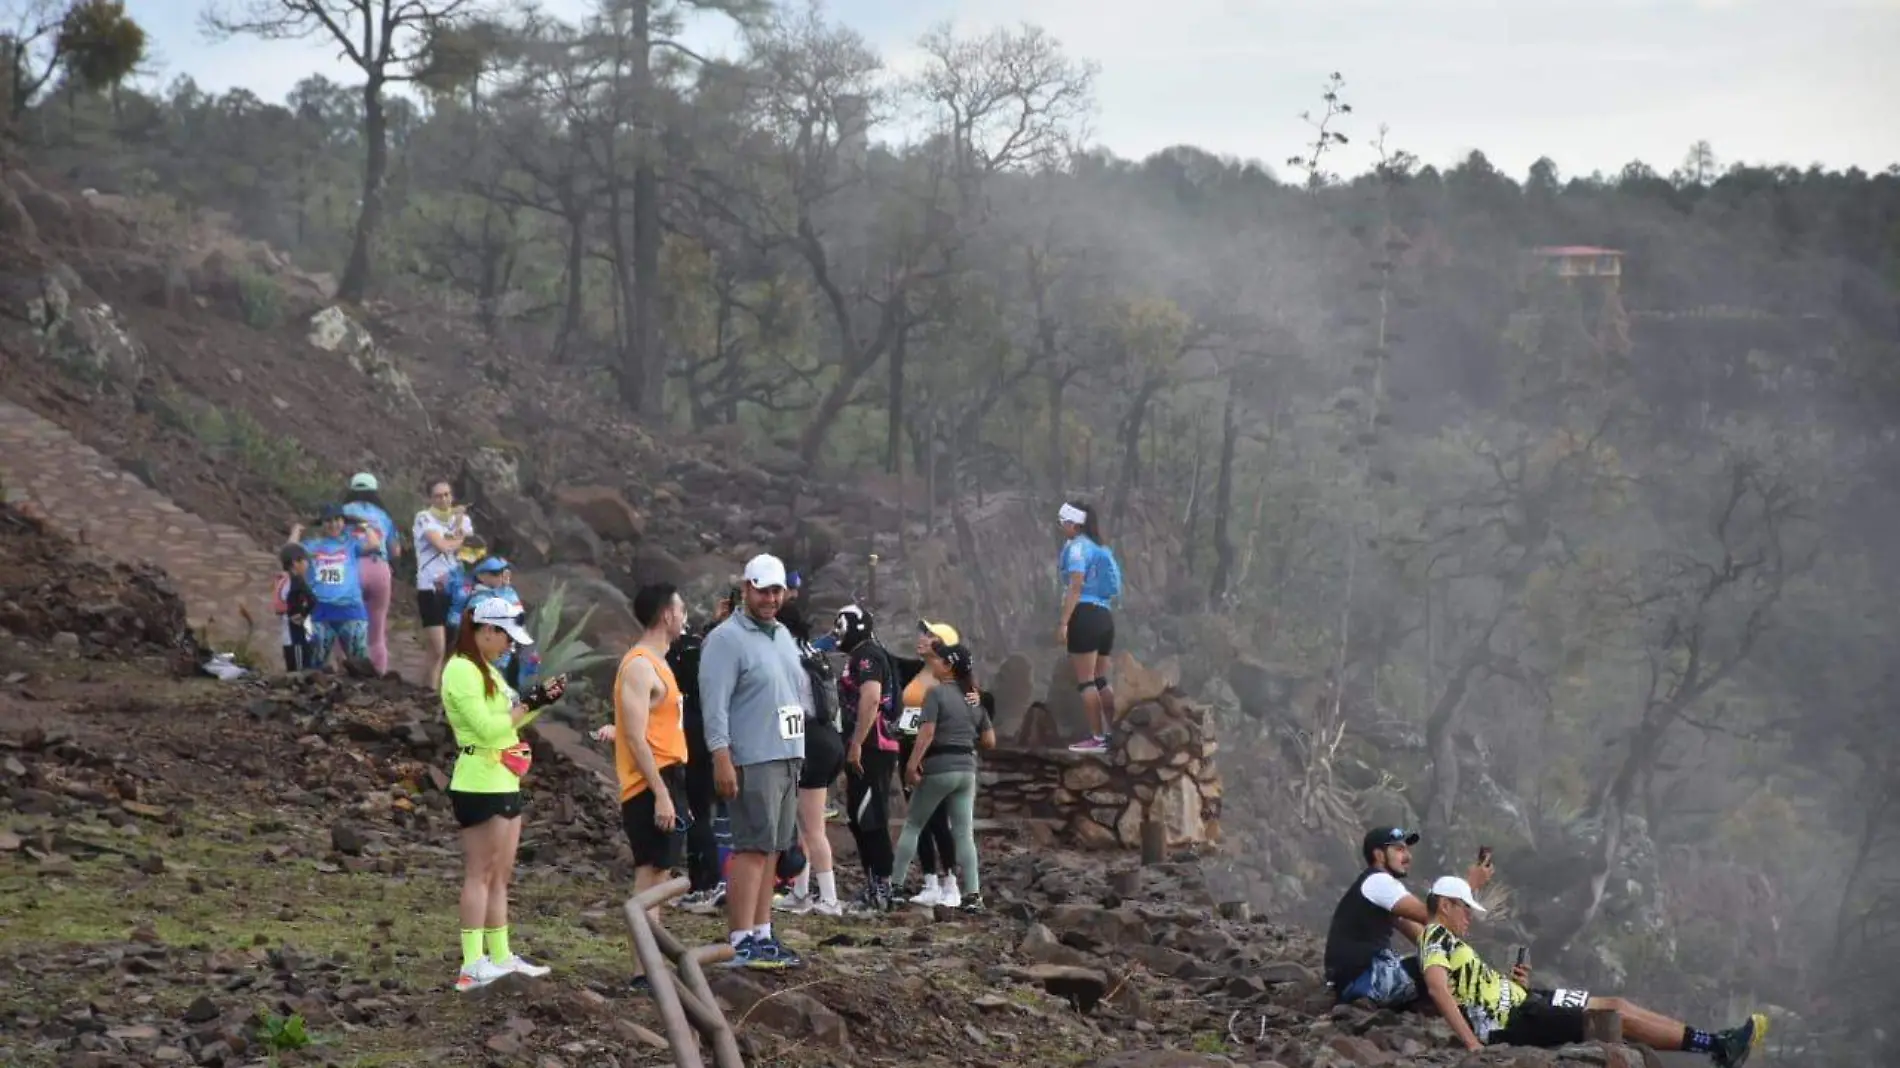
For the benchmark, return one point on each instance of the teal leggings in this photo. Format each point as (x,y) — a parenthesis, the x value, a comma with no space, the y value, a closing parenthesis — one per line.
(958,790)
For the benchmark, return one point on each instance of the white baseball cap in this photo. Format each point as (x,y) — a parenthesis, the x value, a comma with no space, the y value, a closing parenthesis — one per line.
(499,613)
(1456,889)
(363,480)
(765,571)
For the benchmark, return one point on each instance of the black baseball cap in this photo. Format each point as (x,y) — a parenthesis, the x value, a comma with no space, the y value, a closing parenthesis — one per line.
(1380,837)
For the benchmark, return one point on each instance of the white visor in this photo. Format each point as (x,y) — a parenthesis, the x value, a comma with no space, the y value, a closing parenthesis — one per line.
(1069,513)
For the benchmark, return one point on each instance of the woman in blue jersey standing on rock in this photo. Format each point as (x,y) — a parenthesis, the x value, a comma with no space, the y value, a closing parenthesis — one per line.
(1091,580)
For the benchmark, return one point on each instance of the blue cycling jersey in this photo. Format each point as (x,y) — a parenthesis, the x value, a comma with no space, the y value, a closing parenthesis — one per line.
(1101,575)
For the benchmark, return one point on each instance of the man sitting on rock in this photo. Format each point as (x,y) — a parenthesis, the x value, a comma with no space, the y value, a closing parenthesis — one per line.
(1483,1007)
(1360,963)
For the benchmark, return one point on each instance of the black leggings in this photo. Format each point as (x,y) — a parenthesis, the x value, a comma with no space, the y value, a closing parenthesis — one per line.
(702,848)
(868,810)
(936,850)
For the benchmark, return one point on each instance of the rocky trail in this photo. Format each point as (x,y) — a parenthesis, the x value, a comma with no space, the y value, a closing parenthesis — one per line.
(264,872)
(222,573)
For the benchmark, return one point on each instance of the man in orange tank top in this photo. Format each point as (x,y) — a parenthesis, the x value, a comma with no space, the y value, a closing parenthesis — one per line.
(650,742)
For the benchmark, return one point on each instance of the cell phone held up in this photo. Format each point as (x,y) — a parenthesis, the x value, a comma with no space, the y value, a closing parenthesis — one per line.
(1484,856)
(1523,956)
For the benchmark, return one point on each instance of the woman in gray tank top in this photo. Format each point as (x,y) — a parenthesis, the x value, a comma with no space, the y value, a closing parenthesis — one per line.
(942,770)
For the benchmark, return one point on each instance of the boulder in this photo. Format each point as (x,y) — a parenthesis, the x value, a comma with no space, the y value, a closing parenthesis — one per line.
(83,335)
(604,510)
(333,330)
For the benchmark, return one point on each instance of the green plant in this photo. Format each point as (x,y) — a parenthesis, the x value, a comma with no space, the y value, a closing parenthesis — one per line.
(562,649)
(260,298)
(1209,1042)
(282,1032)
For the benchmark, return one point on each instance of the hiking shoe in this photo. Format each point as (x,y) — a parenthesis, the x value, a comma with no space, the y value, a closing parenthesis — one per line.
(523,966)
(867,903)
(1733,1046)
(1093,744)
(478,975)
(704,902)
(771,955)
(973,904)
(742,953)
(639,984)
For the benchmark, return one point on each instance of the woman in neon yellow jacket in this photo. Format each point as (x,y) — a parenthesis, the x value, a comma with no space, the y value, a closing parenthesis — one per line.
(486,789)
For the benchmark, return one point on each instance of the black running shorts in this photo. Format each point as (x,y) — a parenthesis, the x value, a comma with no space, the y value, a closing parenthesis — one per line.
(472,810)
(433,607)
(653,847)
(824,756)
(1548,1018)
(1091,630)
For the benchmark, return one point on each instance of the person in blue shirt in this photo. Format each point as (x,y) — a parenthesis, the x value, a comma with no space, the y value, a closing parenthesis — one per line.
(364,509)
(494,577)
(336,578)
(1091,581)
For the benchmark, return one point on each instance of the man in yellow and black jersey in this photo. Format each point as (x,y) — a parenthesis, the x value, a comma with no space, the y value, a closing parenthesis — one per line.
(1483,1007)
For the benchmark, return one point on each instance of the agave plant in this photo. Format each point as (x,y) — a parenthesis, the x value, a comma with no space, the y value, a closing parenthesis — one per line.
(561,647)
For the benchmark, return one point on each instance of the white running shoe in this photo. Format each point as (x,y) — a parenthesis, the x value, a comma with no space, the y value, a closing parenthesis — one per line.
(478,975)
(950,897)
(796,904)
(827,908)
(932,894)
(521,965)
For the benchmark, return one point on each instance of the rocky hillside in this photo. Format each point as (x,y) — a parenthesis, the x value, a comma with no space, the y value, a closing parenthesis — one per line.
(264,872)
(217,371)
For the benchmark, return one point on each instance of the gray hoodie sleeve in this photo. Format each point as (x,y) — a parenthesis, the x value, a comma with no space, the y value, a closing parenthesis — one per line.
(718,674)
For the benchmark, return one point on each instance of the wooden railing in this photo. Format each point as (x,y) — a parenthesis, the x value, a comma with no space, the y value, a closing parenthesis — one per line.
(687,1006)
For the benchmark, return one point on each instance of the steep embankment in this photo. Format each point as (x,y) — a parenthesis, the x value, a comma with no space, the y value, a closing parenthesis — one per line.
(195,872)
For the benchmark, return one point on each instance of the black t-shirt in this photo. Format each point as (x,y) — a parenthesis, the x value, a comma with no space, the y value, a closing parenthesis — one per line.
(1362,926)
(683,658)
(869,662)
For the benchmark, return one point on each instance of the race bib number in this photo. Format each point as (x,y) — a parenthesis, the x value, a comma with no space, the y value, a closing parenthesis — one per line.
(329,574)
(1570,999)
(791,722)
(910,719)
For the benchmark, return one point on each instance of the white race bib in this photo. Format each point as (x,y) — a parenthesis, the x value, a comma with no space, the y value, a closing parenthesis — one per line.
(910,719)
(1570,999)
(330,574)
(791,722)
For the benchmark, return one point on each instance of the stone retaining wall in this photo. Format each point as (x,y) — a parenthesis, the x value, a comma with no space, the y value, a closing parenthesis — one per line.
(1162,762)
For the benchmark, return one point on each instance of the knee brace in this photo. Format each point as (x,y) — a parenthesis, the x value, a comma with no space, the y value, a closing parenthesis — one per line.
(1100,683)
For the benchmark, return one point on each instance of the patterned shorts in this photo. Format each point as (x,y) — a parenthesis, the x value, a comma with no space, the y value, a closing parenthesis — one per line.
(352,634)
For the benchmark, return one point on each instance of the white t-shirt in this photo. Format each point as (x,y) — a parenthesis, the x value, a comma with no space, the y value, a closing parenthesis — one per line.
(432,565)
(1383,890)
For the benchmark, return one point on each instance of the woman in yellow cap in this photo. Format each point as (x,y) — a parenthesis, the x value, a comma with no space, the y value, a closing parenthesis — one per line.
(941,770)
(936,851)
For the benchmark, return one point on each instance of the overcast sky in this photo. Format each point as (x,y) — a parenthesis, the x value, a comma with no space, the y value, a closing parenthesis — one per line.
(1590,83)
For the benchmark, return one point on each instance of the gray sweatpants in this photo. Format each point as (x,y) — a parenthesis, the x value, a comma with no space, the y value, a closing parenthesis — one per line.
(956,789)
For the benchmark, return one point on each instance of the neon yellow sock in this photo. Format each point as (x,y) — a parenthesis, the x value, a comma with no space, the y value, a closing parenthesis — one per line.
(471,946)
(498,944)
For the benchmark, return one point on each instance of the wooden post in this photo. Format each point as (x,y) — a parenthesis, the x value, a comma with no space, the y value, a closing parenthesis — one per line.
(1603,1025)
(871,594)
